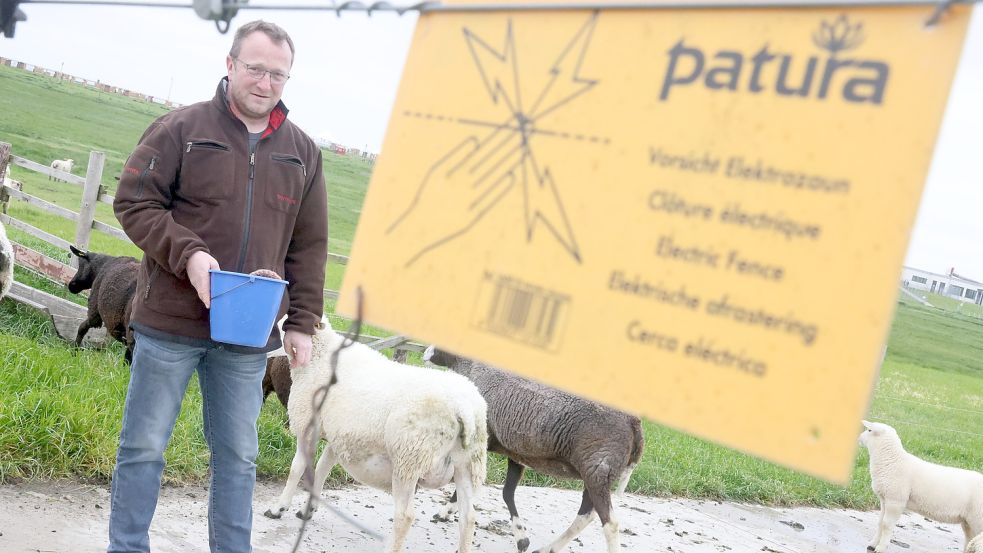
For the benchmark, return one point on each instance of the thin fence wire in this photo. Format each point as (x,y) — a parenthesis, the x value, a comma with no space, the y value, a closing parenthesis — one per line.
(932,405)
(436,7)
(893,421)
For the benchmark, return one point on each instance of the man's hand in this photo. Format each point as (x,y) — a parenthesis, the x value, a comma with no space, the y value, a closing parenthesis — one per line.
(298,347)
(198,266)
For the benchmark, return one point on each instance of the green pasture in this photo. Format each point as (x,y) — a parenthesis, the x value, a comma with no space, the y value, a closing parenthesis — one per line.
(60,408)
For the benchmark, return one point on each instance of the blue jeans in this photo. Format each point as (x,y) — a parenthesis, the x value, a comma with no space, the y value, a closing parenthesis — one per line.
(231,389)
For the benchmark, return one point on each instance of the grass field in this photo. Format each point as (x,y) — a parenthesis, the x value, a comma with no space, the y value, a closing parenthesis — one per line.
(60,409)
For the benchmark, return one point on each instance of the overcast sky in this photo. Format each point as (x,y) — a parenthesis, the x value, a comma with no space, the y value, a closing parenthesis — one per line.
(347,69)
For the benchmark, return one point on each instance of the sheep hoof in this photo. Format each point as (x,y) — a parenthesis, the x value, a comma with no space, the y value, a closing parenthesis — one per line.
(446,514)
(522,544)
(304,516)
(870,548)
(270,514)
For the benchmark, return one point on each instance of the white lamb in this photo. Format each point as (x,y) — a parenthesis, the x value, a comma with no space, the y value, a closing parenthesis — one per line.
(6,263)
(11,183)
(391,426)
(65,165)
(902,481)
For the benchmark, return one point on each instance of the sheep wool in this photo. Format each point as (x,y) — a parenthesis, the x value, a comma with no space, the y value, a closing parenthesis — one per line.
(975,545)
(65,165)
(6,263)
(112,281)
(11,183)
(391,426)
(558,434)
(903,481)
(277,378)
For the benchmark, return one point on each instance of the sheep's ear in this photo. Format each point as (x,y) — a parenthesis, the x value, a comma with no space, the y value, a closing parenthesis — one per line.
(78,252)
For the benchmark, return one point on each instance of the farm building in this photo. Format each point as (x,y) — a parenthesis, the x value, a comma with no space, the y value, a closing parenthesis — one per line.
(951,284)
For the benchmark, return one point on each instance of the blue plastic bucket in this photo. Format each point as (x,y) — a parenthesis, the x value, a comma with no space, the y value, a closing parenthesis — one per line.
(244,307)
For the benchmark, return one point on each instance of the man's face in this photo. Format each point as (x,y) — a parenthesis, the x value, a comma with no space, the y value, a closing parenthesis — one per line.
(254,98)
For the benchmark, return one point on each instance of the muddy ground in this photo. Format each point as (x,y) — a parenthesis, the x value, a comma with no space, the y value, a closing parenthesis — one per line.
(67,516)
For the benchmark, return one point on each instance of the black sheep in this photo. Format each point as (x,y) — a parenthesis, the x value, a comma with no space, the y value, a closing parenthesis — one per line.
(555,433)
(113,281)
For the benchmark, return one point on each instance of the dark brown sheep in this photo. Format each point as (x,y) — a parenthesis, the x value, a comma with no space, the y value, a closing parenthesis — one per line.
(113,281)
(277,378)
(555,433)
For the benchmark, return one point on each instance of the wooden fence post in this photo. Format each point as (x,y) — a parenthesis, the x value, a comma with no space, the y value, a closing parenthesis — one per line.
(4,158)
(90,197)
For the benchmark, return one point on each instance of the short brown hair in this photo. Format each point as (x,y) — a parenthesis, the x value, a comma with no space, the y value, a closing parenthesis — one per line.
(272,30)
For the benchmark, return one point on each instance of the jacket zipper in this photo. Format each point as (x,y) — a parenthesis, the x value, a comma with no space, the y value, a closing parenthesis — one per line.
(205,144)
(150,281)
(249,211)
(290,160)
(143,175)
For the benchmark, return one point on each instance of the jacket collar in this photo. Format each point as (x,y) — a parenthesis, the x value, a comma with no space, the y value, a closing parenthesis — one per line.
(221,102)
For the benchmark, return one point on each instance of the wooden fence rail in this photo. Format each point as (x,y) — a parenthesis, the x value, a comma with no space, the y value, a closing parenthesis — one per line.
(45,170)
(92,193)
(36,232)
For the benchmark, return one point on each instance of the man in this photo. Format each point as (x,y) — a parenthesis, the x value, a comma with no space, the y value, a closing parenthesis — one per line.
(229,184)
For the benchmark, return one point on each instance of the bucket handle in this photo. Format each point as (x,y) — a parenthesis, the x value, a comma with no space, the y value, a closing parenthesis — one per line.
(252,279)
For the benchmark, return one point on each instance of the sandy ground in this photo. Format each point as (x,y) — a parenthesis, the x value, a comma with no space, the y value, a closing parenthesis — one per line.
(72,517)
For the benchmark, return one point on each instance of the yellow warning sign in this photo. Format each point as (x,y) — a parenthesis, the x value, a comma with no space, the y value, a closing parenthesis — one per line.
(697,216)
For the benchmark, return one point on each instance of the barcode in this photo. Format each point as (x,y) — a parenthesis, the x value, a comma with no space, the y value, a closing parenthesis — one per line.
(521,311)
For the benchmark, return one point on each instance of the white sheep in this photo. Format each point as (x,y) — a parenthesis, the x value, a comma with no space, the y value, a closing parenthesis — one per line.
(11,183)
(902,481)
(6,263)
(65,165)
(975,545)
(394,427)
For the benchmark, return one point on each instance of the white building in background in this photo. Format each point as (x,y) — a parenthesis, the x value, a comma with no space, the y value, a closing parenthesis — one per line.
(952,285)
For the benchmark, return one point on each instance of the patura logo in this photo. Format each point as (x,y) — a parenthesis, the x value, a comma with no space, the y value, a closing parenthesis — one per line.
(829,74)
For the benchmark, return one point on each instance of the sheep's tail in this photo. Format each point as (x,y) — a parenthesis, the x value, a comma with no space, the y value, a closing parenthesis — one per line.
(474,440)
(637,446)
(975,545)
(637,442)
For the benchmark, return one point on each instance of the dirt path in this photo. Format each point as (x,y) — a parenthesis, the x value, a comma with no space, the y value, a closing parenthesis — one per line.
(71,517)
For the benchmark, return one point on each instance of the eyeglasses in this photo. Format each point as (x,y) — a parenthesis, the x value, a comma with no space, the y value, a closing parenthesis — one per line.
(258,73)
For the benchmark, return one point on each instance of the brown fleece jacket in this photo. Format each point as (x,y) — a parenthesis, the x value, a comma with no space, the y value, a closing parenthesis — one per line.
(191,185)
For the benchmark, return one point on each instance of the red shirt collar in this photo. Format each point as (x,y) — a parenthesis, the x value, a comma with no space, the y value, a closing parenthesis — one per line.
(277,117)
